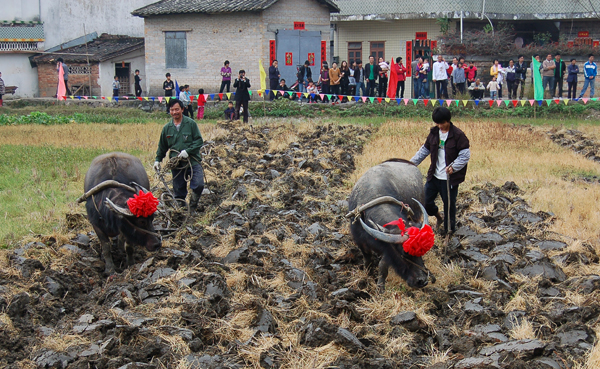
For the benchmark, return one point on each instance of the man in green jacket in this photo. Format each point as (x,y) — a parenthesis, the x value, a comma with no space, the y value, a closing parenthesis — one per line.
(182,136)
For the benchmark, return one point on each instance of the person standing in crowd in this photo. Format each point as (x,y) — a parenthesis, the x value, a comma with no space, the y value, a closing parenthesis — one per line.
(401,73)
(225,77)
(274,76)
(116,86)
(440,77)
(344,80)
(510,79)
(415,67)
(201,103)
(183,97)
(423,81)
(324,79)
(497,71)
(359,76)
(352,80)
(450,152)
(559,75)
(182,137)
(335,76)
(61,64)
(471,72)
(573,71)
(590,70)
(2,89)
(371,75)
(169,87)
(304,74)
(477,89)
(138,86)
(548,67)
(242,96)
(383,78)
(458,78)
(493,87)
(520,76)
(449,72)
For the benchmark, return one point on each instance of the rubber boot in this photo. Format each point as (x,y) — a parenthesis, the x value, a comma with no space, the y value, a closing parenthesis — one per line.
(194,199)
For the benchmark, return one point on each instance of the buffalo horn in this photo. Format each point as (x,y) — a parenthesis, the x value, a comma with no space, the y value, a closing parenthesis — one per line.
(117,209)
(381,236)
(425,216)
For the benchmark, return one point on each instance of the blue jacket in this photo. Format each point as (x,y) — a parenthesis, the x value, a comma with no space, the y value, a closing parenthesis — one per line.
(590,70)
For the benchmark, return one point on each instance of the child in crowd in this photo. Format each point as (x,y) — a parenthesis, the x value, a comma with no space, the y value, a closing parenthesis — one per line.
(383,64)
(312,89)
(230,112)
(116,86)
(493,87)
(183,96)
(201,102)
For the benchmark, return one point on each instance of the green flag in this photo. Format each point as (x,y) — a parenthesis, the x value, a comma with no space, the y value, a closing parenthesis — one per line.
(538,88)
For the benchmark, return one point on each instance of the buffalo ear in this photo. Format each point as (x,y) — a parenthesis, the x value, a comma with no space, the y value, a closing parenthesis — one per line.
(117,209)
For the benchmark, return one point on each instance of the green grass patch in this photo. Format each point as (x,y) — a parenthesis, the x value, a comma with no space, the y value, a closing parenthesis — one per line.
(37,185)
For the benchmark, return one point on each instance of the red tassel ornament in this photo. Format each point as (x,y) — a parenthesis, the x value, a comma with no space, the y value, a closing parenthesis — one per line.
(143,204)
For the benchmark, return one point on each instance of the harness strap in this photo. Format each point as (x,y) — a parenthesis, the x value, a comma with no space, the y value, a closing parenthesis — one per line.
(380,200)
(141,229)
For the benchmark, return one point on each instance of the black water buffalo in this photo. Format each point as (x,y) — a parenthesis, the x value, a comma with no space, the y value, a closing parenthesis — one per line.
(394,179)
(111,180)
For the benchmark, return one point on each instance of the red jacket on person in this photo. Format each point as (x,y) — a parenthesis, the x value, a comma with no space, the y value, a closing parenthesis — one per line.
(401,72)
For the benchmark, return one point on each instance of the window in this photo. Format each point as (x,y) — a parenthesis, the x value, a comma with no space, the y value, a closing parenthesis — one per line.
(354,52)
(176,49)
(378,50)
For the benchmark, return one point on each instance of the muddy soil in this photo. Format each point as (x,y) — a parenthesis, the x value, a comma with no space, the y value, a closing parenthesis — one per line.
(267,276)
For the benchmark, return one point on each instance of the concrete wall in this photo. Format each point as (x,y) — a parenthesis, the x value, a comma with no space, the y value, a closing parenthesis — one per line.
(107,72)
(241,38)
(64,19)
(16,71)
(394,33)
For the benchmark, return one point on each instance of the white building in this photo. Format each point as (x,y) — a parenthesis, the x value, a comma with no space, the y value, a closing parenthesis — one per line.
(22,35)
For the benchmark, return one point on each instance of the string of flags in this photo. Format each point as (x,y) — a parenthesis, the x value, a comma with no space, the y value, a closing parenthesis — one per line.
(330,97)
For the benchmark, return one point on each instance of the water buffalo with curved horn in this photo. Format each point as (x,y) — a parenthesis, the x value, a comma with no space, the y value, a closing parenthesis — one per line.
(118,204)
(386,193)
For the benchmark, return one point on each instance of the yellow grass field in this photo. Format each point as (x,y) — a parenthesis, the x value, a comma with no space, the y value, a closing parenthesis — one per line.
(500,152)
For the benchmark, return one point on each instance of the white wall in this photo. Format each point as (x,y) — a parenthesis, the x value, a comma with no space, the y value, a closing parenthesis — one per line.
(16,71)
(64,19)
(21,10)
(107,72)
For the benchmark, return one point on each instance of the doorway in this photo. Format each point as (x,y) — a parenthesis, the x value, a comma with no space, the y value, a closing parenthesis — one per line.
(122,71)
(294,47)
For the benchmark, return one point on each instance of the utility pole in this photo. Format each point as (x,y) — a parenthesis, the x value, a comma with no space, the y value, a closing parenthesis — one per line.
(88,60)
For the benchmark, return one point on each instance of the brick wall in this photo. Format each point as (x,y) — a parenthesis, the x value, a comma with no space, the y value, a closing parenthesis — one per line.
(48,79)
(241,38)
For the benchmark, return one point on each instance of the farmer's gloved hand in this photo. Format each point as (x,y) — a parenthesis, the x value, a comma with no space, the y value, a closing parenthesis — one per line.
(183,154)
(156,166)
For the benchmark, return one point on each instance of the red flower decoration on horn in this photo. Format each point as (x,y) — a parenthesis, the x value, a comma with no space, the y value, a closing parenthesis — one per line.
(143,204)
(420,241)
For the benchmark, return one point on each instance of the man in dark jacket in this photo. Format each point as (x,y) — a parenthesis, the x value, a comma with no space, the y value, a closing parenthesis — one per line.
(450,153)
(242,96)
(274,76)
(304,74)
(520,75)
(371,74)
(182,136)
(573,71)
(559,75)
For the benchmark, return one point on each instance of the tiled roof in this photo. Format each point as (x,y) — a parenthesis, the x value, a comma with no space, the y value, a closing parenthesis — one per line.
(100,49)
(164,7)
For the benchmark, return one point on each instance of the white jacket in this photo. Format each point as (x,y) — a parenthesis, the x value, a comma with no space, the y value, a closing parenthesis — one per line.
(439,71)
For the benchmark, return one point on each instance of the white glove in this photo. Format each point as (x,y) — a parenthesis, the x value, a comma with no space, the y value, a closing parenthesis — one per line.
(183,154)
(156,166)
